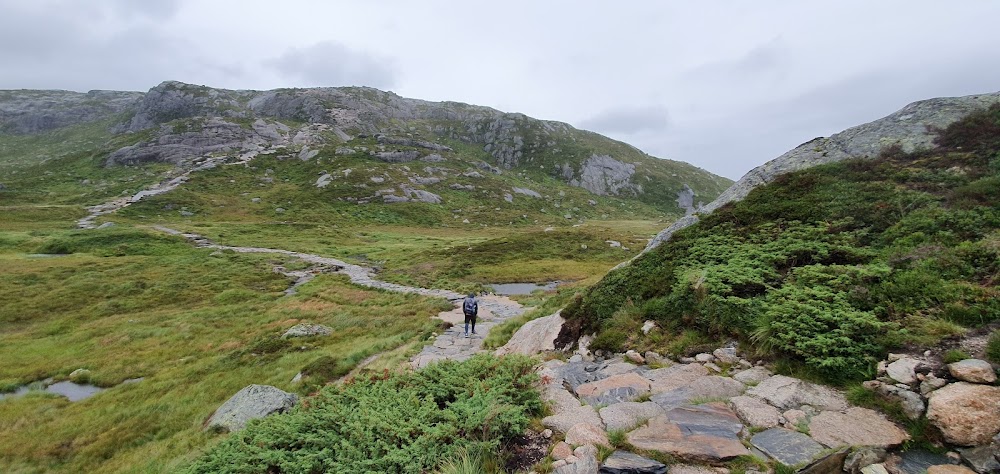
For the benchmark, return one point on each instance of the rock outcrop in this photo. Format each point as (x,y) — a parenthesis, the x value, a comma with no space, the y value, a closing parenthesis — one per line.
(912,128)
(535,336)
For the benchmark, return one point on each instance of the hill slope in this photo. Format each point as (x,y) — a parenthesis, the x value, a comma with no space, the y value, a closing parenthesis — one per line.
(830,263)
(344,145)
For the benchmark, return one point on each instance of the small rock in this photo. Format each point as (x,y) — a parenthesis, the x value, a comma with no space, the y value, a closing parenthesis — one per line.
(106,225)
(255,200)
(558,463)
(902,370)
(703,357)
(911,403)
(80,376)
(635,357)
(586,433)
(546,433)
(973,370)
(562,450)
(794,417)
(861,457)
(931,383)
(712,367)
(648,326)
(626,416)
(874,469)
(753,376)
(185,213)
(279,210)
(653,358)
(726,355)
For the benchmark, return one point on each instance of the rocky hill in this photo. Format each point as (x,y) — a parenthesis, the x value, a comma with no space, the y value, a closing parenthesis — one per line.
(184,125)
(879,238)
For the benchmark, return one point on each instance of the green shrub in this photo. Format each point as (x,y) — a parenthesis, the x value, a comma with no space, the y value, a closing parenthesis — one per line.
(407,423)
(993,347)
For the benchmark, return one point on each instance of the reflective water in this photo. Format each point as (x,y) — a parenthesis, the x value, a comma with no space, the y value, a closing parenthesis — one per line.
(521,288)
(71,390)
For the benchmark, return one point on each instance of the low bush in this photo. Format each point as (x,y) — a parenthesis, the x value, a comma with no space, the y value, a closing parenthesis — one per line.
(409,423)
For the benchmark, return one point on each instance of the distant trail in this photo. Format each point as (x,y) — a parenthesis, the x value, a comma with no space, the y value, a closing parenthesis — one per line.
(451,344)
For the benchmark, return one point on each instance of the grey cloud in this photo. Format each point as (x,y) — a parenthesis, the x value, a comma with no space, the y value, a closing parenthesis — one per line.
(766,58)
(333,64)
(629,120)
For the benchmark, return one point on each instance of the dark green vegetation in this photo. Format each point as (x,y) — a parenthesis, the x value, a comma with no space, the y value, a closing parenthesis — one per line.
(407,423)
(830,266)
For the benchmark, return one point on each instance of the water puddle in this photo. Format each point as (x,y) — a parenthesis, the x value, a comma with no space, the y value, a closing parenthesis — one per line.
(506,289)
(71,390)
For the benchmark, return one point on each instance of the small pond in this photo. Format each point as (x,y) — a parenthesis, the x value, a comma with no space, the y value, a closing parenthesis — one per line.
(506,289)
(71,390)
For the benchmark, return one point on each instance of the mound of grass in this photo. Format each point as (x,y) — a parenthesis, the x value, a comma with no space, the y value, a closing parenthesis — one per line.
(832,265)
(408,423)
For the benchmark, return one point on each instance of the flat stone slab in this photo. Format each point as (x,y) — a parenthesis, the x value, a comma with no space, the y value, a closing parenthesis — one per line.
(624,462)
(563,421)
(973,370)
(627,416)
(786,393)
(614,389)
(788,447)
(755,413)
(855,427)
(669,378)
(581,373)
(586,433)
(918,462)
(753,376)
(706,433)
(903,370)
(705,389)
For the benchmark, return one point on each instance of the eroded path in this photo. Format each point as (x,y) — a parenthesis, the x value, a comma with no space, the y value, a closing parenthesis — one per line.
(450,345)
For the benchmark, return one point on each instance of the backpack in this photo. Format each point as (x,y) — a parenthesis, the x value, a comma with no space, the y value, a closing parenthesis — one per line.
(470,306)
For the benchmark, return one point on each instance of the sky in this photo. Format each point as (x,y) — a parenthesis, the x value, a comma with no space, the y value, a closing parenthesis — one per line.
(724,85)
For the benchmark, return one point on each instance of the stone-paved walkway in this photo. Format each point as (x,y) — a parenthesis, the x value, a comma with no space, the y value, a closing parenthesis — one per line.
(450,345)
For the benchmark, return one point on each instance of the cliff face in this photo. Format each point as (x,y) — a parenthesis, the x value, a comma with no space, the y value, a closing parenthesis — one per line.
(912,128)
(31,112)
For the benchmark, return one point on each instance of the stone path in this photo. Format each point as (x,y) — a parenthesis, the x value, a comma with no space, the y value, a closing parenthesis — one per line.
(451,344)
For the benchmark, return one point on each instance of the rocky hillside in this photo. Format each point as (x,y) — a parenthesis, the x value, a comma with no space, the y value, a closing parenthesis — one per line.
(184,125)
(879,238)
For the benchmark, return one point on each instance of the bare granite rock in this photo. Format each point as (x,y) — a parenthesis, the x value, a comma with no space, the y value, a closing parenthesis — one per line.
(973,370)
(855,427)
(254,401)
(967,414)
(535,336)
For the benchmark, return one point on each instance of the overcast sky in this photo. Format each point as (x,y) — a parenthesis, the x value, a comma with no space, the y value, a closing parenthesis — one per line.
(723,85)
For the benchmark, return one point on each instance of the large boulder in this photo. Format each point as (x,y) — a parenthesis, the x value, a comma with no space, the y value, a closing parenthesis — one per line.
(787,393)
(254,401)
(855,427)
(967,414)
(973,370)
(535,336)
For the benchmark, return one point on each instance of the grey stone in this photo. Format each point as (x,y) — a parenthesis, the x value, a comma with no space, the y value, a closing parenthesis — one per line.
(106,225)
(701,433)
(973,370)
(669,378)
(755,413)
(983,459)
(535,336)
(788,447)
(324,180)
(855,427)
(585,462)
(708,388)
(916,461)
(624,462)
(787,393)
(861,457)
(626,416)
(527,192)
(912,404)
(831,463)
(253,401)
(563,421)
(753,376)
(604,175)
(574,375)
(307,330)
(726,355)
(902,370)
(397,156)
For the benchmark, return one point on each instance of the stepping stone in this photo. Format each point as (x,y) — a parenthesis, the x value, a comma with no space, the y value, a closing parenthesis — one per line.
(753,376)
(586,433)
(563,421)
(669,378)
(856,427)
(917,461)
(711,388)
(576,374)
(755,413)
(618,368)
(786,393)
(788,447)
(699,433)
(624,462)
(627,416)
(614,389)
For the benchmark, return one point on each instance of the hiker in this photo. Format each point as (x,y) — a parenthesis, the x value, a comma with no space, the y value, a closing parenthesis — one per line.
(471,308)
